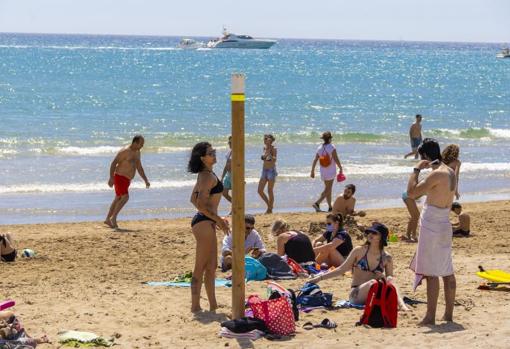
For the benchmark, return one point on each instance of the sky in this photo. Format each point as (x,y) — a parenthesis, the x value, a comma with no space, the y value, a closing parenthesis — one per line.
(410,20)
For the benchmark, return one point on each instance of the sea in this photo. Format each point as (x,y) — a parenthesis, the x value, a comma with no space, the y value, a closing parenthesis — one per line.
(68,103)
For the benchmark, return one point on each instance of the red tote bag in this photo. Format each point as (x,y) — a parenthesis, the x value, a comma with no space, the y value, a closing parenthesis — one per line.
(276,314)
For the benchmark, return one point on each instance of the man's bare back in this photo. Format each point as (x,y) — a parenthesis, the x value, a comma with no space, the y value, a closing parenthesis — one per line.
(441,194)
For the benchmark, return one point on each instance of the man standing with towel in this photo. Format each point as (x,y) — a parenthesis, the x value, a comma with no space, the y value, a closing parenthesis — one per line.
(433,257)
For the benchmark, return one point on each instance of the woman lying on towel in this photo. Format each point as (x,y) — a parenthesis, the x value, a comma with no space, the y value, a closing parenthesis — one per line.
(334,246)
(292,243)
(368,263)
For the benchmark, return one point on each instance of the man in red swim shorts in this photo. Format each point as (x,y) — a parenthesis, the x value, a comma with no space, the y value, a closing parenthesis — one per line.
(122,171)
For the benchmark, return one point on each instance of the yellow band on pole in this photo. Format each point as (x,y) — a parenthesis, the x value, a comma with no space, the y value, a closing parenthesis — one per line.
(237,97)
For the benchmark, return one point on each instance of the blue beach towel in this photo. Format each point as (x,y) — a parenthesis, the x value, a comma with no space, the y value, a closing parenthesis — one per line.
(218,283)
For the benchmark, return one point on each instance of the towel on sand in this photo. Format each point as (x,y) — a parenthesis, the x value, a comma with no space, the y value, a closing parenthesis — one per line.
(79,339)
(218,283)
(347,304)
(433,255)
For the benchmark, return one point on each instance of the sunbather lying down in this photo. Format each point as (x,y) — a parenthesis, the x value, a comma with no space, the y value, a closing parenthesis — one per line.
(11,330)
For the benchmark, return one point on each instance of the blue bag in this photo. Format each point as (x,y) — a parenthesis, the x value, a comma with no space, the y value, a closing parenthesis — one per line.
(254,269)
(310,295)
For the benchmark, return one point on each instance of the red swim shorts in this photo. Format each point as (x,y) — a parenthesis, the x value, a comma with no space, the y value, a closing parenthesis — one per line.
(121,184)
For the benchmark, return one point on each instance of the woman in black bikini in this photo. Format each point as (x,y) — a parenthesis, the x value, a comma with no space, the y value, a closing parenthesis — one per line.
(292,243)
(205,197)
(7,250)
(368,263)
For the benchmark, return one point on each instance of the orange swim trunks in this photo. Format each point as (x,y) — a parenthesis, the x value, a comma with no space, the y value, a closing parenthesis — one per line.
(121,184)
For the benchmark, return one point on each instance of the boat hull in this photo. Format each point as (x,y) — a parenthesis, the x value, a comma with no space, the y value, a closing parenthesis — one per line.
(251,44)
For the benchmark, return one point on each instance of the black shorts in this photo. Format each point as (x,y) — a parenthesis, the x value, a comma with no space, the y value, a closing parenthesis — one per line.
(460,232)
(10,257)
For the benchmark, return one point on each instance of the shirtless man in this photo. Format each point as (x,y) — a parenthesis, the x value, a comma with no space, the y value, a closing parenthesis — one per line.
(433,258)
(415,136)
(122,171)
(344,204)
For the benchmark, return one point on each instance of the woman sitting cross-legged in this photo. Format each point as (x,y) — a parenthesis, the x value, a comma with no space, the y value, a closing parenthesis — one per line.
(292,243)
(335,244)
(368,263)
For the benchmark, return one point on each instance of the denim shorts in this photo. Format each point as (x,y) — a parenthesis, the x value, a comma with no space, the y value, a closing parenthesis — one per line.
(269,174)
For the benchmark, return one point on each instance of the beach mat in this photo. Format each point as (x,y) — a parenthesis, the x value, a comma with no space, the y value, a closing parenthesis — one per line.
(217,282)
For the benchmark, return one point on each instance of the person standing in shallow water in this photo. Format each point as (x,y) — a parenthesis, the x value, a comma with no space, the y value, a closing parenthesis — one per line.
(268,175)
(415,137)
(122,171)
(433,257)
(328,159)
(206,196)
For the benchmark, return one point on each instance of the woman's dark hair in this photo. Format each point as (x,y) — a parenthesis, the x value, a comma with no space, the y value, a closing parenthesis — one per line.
(195,164)
(430,148)
(338,218)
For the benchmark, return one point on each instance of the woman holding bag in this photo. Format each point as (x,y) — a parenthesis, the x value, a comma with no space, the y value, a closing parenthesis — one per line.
(328,159)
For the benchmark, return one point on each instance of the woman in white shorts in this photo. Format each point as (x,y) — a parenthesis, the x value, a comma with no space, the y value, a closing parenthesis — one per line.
(328,159)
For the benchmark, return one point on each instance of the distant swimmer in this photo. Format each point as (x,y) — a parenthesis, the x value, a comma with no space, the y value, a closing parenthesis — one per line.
(415,136)
(328,159)
(122,170)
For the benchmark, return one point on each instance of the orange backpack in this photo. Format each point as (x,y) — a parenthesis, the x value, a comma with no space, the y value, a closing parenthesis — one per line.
(324,160)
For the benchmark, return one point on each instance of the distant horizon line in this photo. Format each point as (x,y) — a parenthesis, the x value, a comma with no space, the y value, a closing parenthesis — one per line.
(279,38)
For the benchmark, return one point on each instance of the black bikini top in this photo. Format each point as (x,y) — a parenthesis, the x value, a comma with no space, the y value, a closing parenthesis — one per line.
(218,188)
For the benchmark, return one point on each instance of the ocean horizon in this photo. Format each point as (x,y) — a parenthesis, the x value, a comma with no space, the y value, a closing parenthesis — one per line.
(68,103)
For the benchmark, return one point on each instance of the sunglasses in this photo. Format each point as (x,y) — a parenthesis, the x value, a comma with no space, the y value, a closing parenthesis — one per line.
(211,152)
(249,227)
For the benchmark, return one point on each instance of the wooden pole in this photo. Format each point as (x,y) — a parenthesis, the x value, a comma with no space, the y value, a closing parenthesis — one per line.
(238,291)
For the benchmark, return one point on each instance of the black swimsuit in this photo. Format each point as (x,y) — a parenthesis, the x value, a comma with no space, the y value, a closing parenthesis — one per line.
(9,257)
(200,217)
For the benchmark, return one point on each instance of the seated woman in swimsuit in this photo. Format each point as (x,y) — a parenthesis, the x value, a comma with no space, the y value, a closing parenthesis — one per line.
(335,244)
(10,326)
(7,250)
(292,243)
(206,197)
(368,263)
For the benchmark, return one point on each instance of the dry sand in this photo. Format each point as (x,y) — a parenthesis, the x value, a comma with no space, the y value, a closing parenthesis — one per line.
(88,277)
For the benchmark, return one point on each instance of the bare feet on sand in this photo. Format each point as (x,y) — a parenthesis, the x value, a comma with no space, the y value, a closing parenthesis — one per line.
(447,318)
(43,339)
(108,223)
(427,322)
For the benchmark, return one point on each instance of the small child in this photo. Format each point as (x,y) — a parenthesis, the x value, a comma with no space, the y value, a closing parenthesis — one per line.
(462,228)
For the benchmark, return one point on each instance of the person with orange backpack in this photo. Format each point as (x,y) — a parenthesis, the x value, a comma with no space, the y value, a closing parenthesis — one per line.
(368,263)
(328,159)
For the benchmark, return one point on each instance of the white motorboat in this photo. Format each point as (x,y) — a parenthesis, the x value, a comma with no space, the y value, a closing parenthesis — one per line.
(505,53)
(230,40)
(190,44)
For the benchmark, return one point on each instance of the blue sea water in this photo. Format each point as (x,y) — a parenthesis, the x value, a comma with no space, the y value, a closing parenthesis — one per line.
(69,102)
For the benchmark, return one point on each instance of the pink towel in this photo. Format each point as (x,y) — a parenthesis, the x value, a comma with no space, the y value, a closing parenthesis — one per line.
(433,255)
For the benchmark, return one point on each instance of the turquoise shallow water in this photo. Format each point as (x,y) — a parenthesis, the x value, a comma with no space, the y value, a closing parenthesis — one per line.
(67,103)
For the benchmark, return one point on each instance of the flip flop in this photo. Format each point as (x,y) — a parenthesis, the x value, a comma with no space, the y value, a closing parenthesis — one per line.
(411,301)
(308,326)
(327,323)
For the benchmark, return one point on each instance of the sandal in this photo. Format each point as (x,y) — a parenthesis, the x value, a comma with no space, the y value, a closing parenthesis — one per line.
(326,323)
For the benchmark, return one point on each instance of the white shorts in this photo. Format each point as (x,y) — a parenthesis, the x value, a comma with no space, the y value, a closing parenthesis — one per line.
(328,173)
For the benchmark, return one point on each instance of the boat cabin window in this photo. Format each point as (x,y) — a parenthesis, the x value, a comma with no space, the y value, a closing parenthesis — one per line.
(244,37)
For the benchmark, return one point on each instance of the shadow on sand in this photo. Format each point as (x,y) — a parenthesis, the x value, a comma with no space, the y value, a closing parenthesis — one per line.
(207,317)
(446,327)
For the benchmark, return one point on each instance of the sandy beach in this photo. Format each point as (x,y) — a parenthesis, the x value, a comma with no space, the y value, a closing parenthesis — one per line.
(88,277)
